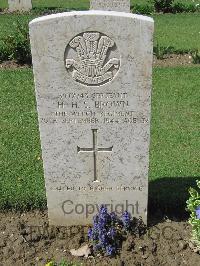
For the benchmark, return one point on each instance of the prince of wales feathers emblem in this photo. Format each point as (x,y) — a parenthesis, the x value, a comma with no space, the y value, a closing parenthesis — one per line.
(92,66)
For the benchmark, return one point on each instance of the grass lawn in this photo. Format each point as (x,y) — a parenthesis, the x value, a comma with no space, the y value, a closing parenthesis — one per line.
(182,31)
(175,147)
(175,128)
(8,22)
(65,3)
(81,3)
(21,178)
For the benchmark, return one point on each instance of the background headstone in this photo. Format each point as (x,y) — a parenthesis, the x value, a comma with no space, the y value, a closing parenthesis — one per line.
(93,89)
(110,5)
(19,5)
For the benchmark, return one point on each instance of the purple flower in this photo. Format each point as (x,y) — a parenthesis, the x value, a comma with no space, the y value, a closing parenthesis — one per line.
(198,212)
(103,210)
(104,217)
(90,233)
(112,232)
(110,250)
(105,232)
(126,219)
(113,217)
(94,233)
(103,238)
(103,221)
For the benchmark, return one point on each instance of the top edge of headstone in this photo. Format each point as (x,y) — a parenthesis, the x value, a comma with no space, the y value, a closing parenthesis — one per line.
(90,13)
(111,5)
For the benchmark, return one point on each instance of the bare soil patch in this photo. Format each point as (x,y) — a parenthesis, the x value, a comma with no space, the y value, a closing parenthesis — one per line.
(27,239)
(174,60)
(12,65)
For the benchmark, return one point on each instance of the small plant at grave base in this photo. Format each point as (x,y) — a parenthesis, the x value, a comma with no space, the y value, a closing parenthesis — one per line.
(160,51)
(196,57)
(193,206)
(109,231)
(179,7)
(164,6)
(62,263)
(16,46)
(143,9)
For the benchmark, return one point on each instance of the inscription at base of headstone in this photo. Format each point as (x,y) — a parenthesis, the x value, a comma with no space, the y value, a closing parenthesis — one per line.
(110,5)
(93,90)
(19,5)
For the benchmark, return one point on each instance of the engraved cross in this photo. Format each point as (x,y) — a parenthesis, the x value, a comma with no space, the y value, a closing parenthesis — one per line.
(95,150)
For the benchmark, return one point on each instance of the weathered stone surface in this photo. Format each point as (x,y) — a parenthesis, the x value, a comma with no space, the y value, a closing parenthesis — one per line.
(93,89)
(19,5)
(111,5)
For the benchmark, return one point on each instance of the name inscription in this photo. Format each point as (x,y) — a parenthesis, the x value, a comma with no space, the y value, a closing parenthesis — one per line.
(94,108)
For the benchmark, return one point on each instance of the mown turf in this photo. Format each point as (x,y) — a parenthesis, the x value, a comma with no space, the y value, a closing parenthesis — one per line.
(181,31)
(64,3)
(175,146)
(8,22)
(21,178)
(175,123)
(83,3)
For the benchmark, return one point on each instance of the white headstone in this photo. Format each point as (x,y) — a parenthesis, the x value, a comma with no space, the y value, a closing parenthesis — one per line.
(93,89)
(111,5)
(19,5)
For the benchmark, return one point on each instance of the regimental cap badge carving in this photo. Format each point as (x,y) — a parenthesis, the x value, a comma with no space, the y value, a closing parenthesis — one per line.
(92,63)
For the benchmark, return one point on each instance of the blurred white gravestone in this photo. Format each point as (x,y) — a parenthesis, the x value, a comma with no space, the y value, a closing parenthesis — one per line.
(19,5)
(93,90)
(110,5)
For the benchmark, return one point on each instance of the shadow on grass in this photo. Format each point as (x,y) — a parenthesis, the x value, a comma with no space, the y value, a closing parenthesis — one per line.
(168,196)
